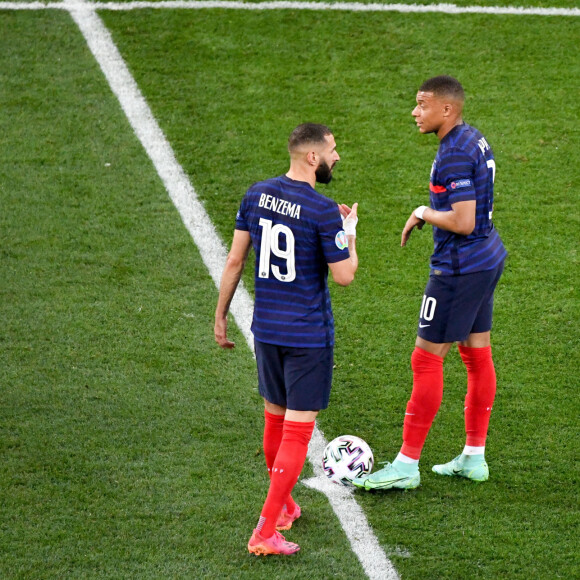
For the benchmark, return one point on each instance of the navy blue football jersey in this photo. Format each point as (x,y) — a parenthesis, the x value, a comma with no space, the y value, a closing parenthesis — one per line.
(296,232)
(463,170)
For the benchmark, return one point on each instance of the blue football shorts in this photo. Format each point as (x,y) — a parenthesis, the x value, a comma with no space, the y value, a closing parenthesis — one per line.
(298,379)
(454,307)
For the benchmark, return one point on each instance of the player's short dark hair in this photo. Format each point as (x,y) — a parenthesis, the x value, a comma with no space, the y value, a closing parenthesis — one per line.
(307,133)
(444,86)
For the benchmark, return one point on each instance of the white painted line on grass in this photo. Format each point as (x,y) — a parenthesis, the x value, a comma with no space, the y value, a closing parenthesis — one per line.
(213,252)
(283,5)
(146,128)
(351,516)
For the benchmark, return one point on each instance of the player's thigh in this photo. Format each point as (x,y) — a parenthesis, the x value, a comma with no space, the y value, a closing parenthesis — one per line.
(477,340)
(484,318)
(270,363)
(436,309)
(308,378)
(453,307)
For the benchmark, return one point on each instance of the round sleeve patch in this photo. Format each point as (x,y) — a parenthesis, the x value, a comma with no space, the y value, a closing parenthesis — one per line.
(341,240)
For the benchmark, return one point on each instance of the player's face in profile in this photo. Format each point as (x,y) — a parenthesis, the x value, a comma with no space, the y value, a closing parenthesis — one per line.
(429,112)
(328,159)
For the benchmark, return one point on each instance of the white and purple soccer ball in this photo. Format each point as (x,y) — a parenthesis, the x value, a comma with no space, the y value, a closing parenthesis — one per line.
(347,457)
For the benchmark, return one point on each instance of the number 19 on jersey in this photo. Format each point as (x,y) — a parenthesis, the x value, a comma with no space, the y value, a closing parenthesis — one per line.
(271,245)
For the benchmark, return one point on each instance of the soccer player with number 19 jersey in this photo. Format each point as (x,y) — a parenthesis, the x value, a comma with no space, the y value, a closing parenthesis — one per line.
(297,234)
(457,305)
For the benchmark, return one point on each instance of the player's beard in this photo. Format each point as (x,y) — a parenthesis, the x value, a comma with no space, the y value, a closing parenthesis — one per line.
(323,173)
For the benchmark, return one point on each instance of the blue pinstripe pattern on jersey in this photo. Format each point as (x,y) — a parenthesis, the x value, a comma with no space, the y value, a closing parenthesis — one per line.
(460,157)
(296,313)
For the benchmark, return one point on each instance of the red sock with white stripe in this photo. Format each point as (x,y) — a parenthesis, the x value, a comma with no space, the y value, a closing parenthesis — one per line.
(425,401)
(481,388)
(273,429)
(285,472)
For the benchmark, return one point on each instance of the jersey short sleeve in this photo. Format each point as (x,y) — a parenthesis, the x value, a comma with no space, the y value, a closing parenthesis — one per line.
(456,175)
(241,221)
(332,236)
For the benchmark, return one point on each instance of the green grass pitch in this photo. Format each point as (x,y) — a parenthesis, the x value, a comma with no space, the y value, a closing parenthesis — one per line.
(130,445)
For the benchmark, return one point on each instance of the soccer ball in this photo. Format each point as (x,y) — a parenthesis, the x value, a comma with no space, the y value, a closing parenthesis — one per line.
(345,458)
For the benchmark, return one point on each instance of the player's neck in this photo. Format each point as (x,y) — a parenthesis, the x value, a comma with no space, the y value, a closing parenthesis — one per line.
(297,174)
(448,127)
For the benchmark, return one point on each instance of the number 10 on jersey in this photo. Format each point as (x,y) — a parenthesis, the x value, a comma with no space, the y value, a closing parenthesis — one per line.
(271,245)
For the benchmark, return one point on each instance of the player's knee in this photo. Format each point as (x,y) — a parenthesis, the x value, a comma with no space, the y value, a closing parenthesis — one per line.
(426,362)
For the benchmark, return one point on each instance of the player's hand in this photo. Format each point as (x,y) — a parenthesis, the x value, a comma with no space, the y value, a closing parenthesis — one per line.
(220,332)
(412,223)
(349,218)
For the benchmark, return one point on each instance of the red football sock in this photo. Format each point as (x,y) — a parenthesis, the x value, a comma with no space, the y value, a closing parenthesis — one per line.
(285,472)
(425,401)
(481,387)
(290,505)
(273,429)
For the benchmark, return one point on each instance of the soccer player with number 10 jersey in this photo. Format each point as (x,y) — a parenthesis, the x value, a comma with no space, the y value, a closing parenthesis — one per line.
(466,264)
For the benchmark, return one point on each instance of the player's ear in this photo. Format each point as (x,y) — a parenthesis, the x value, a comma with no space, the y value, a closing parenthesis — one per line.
(312,158)
(452,108)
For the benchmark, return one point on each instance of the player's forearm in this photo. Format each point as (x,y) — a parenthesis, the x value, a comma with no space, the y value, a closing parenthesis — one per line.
(230,279)
(343,271)
(353,253)
(457,221)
